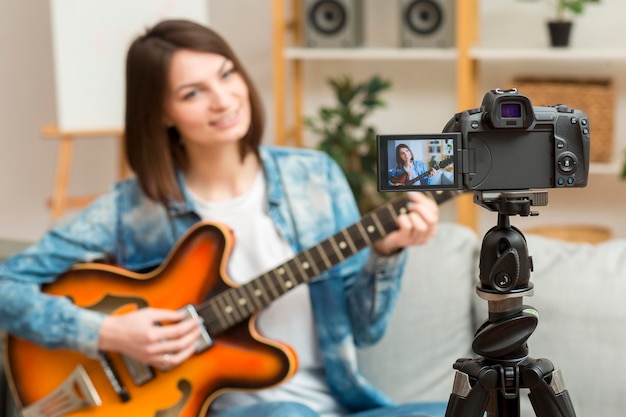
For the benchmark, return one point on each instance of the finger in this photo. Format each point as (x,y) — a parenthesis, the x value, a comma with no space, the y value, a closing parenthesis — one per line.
(164,316)
(169,360)
(179,329)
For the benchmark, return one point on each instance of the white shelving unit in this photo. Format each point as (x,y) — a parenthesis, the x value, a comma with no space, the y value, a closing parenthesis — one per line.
(483,54)
(387,54)
(468,58)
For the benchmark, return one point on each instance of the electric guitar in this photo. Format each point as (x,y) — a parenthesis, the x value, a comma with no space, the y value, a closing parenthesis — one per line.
(231,354)
(403,179)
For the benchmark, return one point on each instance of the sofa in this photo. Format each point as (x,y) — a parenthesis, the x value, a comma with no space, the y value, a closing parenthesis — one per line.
(578,291)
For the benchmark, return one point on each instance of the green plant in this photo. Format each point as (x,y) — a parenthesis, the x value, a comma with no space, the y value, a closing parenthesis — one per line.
(563,7)
(347,138)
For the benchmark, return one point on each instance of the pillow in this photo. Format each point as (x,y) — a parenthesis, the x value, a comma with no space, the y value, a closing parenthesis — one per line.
(579,294)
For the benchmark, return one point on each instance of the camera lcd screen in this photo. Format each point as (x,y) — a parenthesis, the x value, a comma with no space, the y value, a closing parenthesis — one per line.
(418,162)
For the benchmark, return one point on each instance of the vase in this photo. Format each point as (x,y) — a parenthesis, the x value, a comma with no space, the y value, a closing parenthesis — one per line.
(559,33)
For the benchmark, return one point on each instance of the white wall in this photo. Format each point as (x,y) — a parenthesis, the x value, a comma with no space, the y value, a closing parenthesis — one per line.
(421,100)
(27,102)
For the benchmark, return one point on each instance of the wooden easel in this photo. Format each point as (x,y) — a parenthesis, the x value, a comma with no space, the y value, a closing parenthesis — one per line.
(60,200)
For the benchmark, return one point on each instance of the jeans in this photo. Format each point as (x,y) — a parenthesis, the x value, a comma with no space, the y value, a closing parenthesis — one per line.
(289,409)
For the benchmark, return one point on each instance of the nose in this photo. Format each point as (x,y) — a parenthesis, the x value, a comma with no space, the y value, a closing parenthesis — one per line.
(220,97)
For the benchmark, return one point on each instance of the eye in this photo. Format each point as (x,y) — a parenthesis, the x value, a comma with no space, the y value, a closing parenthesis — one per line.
(229,72)
(190,94)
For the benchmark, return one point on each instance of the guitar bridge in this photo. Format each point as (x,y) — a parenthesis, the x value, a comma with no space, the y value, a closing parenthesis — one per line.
(205,341)
(74,393)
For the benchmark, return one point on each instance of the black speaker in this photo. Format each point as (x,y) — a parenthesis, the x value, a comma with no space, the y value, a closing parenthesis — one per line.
(427,23)
(333,23)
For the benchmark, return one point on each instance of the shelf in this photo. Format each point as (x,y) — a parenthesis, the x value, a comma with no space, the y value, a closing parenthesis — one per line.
(367,53)
(549,54)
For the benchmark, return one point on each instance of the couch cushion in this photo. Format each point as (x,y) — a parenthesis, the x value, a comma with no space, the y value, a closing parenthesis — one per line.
(579,293)
(432,325)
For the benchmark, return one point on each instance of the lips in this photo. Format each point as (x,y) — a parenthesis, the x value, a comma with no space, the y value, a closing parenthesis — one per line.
(227,120)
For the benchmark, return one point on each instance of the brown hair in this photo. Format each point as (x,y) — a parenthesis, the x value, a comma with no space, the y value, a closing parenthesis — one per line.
(153,151)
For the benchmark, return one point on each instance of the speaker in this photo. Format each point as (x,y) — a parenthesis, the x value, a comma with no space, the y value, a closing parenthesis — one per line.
(427,23)
(333,23)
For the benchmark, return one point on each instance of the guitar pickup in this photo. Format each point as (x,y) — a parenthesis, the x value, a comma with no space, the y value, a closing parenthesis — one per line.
(205,341)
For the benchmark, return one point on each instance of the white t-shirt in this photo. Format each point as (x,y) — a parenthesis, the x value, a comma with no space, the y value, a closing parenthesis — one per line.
(258,248)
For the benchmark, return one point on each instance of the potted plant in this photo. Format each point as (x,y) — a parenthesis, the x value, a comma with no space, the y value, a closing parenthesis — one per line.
(560,26)
(347,138)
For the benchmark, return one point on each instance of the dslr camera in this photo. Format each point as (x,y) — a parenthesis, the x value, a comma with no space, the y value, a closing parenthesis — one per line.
(506,144)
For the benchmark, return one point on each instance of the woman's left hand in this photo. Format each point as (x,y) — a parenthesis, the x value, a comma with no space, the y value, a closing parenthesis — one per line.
(416,227)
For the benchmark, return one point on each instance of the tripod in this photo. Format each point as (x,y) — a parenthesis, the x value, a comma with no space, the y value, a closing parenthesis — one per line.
(491,382)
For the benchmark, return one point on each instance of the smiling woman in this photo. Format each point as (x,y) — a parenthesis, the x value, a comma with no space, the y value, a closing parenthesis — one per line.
(210,209)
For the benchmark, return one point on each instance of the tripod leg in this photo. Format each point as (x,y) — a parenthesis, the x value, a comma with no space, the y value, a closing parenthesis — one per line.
(548,395)
(473,383)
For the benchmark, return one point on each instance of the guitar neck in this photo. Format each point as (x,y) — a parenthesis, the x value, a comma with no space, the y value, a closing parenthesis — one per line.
(234,305)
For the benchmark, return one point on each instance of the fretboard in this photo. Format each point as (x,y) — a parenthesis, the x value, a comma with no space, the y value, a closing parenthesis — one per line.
(232,306)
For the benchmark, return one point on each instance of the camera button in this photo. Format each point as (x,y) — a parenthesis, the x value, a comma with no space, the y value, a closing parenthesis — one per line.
(562,108)
(583,122)
(561,181)
(567,163)
(573,120)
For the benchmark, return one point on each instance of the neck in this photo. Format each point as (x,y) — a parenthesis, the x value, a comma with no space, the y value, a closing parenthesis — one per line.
(221,174)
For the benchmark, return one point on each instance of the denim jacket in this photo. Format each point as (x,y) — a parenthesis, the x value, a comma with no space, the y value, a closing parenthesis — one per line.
(308,199)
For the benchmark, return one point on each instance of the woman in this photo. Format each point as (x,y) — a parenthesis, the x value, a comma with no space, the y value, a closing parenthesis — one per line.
(193,129)
(408,170)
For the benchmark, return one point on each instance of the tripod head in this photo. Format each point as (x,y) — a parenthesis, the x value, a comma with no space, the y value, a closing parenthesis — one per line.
(505,268)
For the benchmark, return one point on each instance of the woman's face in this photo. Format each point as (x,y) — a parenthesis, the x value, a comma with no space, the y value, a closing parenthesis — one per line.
(406,155)
(206,99)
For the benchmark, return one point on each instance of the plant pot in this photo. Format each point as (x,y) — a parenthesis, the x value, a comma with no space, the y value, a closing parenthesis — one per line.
(559,33)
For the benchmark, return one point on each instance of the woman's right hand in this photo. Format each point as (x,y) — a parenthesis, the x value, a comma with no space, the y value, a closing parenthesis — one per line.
(158,337)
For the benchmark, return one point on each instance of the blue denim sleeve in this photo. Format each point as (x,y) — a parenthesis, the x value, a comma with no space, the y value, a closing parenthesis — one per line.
(54,321)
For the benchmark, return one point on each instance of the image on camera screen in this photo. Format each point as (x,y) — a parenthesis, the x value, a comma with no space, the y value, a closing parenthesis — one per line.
(417,162)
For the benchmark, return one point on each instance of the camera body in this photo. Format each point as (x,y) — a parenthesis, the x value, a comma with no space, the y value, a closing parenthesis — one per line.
(506,144)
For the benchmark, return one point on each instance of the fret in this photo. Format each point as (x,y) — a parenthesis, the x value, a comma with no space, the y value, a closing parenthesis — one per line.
(327,247)
(350,241)
(254,299)
(304,268)
(259,292)
(215,323)
(335,247)
(379,226)
(279,274)
(344,247)
(232,305)
(292,277)
(225,309)
(243,302)
(272,288)
(312,262)
(279,285)
(364,235)
(393,214)
(323,257)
